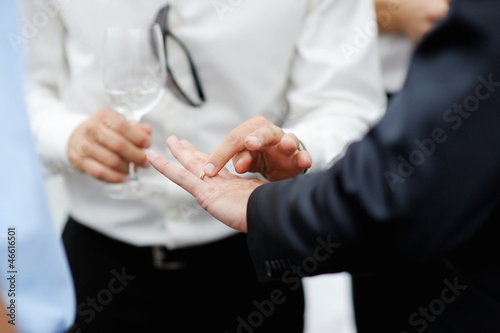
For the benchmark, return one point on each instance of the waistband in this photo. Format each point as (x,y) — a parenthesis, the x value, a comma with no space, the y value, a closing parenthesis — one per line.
(158,256)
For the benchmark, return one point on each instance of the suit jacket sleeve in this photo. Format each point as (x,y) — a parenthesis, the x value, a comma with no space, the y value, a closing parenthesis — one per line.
(418,185)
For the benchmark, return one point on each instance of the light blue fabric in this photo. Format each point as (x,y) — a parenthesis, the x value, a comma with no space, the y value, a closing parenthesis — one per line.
(44,295)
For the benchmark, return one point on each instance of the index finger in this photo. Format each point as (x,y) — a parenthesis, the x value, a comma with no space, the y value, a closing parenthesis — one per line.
(235,142)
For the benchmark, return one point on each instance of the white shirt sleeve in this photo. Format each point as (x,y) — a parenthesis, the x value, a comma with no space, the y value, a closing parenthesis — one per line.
(395,55)
(336,91)
(51,121)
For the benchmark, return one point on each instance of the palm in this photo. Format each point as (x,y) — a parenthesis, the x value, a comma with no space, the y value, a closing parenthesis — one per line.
(225,195)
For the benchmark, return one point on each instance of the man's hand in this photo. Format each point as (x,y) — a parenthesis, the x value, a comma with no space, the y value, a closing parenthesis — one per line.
(225,195)
(258,145)
(412,17)
(106,143)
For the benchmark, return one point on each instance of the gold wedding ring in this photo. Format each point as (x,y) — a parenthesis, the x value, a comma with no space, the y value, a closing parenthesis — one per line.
(202,175)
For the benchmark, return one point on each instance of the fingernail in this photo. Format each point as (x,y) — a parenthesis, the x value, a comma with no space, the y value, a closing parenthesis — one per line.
(124,179)
(255,139)
(152,155)
(147,144)
(209,169)
(173,139)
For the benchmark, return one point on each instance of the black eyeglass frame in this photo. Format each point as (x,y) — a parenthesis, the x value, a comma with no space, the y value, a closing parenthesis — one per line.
(162,20)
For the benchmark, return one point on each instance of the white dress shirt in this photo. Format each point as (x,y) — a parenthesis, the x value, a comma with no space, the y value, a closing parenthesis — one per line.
(279,59)
(395,53)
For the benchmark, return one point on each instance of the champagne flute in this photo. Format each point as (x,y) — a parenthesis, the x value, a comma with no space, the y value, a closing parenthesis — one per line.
(134,76)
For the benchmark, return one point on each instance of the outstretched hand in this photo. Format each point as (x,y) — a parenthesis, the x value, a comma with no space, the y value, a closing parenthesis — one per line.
(258,145)
(225,195)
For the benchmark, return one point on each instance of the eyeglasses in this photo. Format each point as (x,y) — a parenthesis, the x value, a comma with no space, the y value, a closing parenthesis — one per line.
(186,88)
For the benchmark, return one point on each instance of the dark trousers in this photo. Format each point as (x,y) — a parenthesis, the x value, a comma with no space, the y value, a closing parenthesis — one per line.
(208,288)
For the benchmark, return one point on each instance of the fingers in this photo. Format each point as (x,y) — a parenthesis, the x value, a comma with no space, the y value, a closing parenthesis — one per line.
(226,198)
(180,176)
(254,134)
(122,147)
(286,144)
(109,159)
(192,159)
(263,137)
(289,144)
(101,172)
(265,149)
(243,162)
(137,134)
(230,146)
(304,160)
(98,162)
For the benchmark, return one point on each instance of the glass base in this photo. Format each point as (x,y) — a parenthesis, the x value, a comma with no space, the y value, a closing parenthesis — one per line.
(133,191)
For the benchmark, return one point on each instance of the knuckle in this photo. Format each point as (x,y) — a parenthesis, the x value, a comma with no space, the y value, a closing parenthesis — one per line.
(162,165)
(200,157)
(265,132)
(232,139)
(107,121)
(276,129)
(85,148)
(218,156)
(122,126)
(259,119)
(93,132)
(184,174)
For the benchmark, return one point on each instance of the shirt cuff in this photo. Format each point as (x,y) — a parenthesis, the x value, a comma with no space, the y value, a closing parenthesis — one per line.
(53,137)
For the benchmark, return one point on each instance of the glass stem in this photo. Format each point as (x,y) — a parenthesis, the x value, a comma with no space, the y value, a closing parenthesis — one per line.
(133,178)
(132,175)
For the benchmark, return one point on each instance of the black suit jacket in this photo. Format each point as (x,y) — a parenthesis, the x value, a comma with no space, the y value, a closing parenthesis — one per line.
(418,198)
